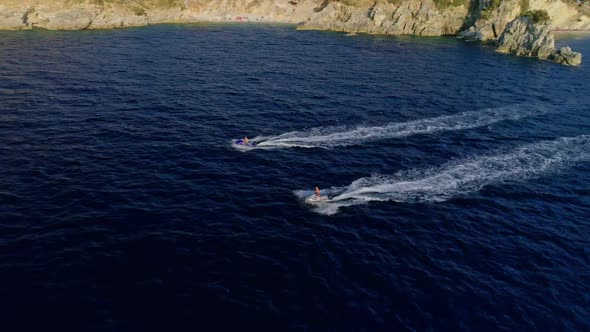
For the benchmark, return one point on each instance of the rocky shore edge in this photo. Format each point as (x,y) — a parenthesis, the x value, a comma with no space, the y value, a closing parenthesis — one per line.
(530,36)
(510,23)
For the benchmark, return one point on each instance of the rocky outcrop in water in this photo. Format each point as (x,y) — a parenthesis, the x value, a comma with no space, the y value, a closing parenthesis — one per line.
(565,56)
(524,37)
(488,18)
(485,19)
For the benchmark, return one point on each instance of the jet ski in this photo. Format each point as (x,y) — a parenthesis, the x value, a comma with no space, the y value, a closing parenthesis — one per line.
(242,143)
(317,199)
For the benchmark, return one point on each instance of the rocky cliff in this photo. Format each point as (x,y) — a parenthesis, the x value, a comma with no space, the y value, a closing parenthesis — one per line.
(100,14)
(524,36)
(478,19)
(488,18)
(395,17)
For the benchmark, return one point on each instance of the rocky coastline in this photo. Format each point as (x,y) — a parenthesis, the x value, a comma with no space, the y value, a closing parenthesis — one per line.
(526,37)
(475,20)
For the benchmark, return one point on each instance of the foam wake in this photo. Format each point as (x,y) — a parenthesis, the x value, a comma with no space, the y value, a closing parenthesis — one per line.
(327,137)
(458,178)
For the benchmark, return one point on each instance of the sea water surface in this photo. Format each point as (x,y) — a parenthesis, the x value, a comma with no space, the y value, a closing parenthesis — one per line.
(459,179)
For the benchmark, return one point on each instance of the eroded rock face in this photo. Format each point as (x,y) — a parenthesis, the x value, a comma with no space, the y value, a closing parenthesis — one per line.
(68,15)
(485,19)
(412,17)
(101,14)
(488,18)
(523,37)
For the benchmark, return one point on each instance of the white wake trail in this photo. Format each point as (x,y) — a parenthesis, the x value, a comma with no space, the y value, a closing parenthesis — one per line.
(440,184)
(328,137)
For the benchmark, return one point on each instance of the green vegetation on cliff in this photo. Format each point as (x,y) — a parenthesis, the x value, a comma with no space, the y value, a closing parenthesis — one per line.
(489,8)
(537,16)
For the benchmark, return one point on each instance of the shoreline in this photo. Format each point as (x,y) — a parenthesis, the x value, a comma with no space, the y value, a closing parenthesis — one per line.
(154,24)
(568,58)
(572,31)
(296,25)
(192,21)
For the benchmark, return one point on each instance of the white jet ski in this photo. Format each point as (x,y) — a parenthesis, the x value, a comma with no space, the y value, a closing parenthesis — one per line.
(317,199)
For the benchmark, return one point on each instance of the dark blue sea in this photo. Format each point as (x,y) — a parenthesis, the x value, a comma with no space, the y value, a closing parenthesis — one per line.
(457,182)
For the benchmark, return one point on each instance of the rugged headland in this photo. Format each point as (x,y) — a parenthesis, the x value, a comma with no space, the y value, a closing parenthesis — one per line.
(532,36)
(478,20)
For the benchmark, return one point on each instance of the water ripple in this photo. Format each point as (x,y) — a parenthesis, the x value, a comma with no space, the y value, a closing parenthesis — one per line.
(122,206)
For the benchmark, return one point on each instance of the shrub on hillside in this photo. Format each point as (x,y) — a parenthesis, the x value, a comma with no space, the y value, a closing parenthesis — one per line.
(489,8)
(537,16)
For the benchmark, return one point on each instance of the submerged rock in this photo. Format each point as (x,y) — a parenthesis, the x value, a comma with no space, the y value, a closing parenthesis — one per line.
(524,37)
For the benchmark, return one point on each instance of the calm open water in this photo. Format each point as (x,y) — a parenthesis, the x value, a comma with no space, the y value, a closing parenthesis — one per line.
(460,181)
